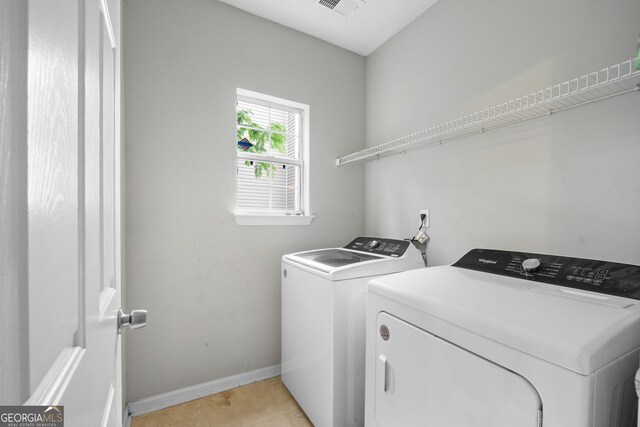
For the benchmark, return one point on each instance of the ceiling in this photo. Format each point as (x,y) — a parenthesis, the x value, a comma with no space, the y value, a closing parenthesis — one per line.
(368,25)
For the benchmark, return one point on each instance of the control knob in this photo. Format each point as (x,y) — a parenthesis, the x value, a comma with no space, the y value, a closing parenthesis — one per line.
(530,265)
(374,244)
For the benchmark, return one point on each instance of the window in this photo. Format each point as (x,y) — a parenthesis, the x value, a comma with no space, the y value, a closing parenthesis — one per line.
(271,137)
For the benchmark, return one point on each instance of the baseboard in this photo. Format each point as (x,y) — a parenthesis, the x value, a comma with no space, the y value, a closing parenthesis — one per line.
(176,397)
(126,417)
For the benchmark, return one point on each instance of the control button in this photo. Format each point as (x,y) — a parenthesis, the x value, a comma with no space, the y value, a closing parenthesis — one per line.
(599,277)
(579,278)
(570,277)
(531,265)
(587,280)
(603,271)
(373,244)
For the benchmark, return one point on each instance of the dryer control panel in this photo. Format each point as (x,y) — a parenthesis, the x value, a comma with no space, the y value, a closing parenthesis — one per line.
(605,277)
(379,246)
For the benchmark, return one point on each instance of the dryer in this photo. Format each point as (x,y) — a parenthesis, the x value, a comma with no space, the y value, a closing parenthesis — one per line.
(323,324)
(504,339)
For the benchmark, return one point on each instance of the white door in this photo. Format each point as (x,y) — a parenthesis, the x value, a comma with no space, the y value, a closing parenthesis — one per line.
(422,380)
(73,187)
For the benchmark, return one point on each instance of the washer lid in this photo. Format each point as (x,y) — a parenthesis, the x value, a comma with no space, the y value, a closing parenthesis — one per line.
(362,257)
(342,264)
(334,258)
(580,331)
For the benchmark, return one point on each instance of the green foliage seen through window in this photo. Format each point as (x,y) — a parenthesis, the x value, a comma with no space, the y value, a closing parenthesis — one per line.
(259,137)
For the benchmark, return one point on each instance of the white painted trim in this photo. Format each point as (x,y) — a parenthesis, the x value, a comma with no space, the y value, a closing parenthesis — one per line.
(268,158)
(126,417)
(271,101)
(176,397)
(106,296)
(119,160)
(107,22)
(107,407)
(56,380)
(257,219)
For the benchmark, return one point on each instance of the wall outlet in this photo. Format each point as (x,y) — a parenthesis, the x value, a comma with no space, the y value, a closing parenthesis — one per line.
(427,217)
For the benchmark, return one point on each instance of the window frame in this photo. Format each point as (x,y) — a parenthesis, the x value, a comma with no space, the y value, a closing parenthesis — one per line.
(245,216)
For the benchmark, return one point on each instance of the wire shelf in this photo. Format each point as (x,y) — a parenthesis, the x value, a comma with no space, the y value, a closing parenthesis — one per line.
(602,84)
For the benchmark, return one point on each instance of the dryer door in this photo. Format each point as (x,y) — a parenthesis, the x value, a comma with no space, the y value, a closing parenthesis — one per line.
(422,380)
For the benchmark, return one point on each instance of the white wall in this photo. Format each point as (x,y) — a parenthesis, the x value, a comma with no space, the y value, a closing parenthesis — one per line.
(212,288)
(568,184)
(14,373)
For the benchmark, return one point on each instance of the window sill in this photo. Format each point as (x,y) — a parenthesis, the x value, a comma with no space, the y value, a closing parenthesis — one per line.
(261,219)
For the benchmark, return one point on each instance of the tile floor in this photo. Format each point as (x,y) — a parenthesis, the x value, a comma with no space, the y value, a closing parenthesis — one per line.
(265,404)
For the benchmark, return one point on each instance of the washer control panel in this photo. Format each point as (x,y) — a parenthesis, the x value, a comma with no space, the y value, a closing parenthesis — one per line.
(379,246)
(591,275)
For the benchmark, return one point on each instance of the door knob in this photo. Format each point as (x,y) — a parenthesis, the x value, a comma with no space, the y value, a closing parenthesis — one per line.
(137,319)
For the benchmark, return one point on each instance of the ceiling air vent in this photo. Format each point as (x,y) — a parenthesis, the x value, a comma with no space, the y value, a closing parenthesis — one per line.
(343,7)
(329,3)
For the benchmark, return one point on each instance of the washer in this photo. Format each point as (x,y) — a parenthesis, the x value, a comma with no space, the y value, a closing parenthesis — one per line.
(323,324)
(504,339)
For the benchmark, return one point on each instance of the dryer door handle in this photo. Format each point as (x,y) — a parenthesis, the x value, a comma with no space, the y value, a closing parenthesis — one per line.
(382,368)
